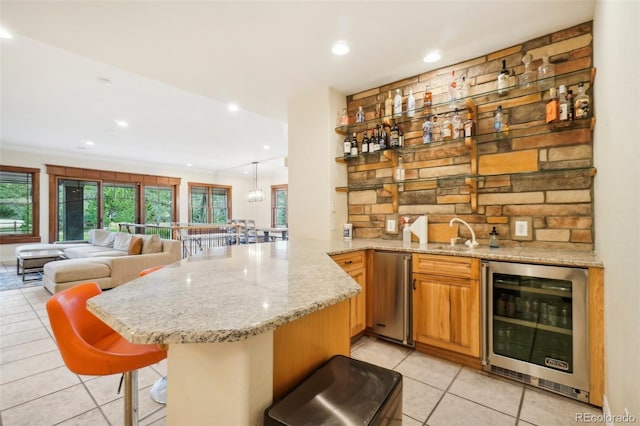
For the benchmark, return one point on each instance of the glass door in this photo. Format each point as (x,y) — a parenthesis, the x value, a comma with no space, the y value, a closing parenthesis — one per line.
(78,209)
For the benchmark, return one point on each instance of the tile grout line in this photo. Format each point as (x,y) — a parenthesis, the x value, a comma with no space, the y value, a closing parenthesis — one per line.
(443,395)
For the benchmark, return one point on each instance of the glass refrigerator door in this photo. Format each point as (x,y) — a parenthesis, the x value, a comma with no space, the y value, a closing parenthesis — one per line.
(532,320)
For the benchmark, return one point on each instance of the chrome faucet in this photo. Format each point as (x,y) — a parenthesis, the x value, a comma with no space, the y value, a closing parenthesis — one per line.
(470,243)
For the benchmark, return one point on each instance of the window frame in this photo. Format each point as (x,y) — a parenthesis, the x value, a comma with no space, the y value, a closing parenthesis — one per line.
(34,237)
(209,187)
(274,191)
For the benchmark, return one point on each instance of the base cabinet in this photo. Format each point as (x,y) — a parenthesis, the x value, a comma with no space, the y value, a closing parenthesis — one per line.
(446,303)
(355,265)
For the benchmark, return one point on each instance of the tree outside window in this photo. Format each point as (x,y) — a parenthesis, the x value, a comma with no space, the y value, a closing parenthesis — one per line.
(19,211)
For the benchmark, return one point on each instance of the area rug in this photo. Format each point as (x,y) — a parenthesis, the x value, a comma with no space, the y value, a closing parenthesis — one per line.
(10,280)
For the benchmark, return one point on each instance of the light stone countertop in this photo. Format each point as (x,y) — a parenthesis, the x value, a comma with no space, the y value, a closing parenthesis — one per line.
(230,293)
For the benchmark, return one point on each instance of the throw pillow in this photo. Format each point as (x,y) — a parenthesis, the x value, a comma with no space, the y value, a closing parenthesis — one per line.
(135,245)
(151,244)
(121,241)
(103,238)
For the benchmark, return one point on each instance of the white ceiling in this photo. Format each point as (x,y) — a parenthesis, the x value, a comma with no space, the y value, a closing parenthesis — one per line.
(174,66)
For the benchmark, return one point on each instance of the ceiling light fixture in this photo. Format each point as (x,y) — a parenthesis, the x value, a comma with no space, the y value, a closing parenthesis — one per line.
(340,48)
(5,34)
(267,147)
(90,143)
(121,123)
(255,194)
(233,107)
(433,56)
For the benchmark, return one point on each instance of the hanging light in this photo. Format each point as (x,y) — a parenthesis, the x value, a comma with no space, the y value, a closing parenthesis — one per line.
(255,194)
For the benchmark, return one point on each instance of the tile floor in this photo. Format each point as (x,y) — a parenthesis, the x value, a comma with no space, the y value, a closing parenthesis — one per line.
(37,389)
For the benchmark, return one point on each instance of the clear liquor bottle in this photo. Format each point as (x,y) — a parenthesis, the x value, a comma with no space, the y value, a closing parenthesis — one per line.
(446,128)
(582,103)
(563,106)
(397,104)
(394,137)
(546,74)
(458,125)
(427,130)
(360,115)
(388,106)
(411,104)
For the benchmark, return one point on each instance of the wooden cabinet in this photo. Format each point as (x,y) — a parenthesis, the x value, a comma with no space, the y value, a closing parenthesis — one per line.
(446,303)
(355,265)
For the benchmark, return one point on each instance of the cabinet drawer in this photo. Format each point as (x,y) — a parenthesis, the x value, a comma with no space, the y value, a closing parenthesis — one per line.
(350,261)
(449,266)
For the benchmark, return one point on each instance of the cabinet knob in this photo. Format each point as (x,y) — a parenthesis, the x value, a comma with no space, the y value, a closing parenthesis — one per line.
(414,284)
(348,262)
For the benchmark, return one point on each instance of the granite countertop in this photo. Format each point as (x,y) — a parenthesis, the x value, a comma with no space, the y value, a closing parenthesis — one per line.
(226,294)
(582,259)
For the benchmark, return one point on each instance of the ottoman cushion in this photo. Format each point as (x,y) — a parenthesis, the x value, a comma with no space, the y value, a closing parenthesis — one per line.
(77,269)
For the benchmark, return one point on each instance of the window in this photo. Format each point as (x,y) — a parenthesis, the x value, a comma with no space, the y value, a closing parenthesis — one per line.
(118,204)
(19,205)
(279,213)
(209,203)
(158,205)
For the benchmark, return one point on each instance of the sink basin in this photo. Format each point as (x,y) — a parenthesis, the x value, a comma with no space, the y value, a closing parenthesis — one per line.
(449,247)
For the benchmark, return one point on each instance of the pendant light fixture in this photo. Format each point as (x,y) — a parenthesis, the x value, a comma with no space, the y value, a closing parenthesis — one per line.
(255,194)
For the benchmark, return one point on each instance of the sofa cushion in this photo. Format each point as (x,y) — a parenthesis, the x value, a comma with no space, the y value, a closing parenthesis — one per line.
(92,251)
(151,244)
(77,269)
(121,241)
(135,245)
(103,238)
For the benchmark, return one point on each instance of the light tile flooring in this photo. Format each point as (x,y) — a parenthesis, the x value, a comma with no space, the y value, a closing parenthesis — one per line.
(37,389)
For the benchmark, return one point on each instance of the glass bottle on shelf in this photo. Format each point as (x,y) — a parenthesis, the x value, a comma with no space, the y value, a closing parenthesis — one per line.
(360,115)
(581,103)
(458,126)
(397,104)
(563,107)
(427,130)
(428,97)
(453,92)
(394,137)
(379,109)
(571,114)
(528,77)
(400,170)
(446,128)
(346,146)
(383,138)
(365,142)
(469,126)
(493,238)
(354,145)
(372,142)
(546,74)
(498,120)
(376,137)
(552,108)
(343,120)
(388,106)
(411,104)
(400,137)
(503,79)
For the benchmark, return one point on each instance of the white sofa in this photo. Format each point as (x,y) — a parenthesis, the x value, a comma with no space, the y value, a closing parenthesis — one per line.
(105,259)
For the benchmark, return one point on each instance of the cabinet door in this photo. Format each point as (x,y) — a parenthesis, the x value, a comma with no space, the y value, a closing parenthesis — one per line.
(358,303)
(465,317)
(431,311)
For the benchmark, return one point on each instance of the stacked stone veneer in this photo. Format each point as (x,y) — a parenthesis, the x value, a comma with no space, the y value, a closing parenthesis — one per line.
(540,172)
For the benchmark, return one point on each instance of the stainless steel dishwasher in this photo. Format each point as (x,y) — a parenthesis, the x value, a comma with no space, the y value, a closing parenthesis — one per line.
(392,297)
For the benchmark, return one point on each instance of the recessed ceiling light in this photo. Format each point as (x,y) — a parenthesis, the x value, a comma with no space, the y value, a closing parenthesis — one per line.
(267,147)
(340,48)
(233,107)
(5,34)
(433,56)
(90,143)
(189,164)
(121,123)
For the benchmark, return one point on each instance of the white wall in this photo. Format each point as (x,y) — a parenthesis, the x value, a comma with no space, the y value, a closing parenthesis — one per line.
(241,208)
(316,211)
(617,196)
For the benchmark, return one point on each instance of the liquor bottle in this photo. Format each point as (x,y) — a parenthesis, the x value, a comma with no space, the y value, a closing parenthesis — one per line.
(458,126)
(388,106)
(383,138)
(354,145)
(346,146)
(571,114)
(365,142)
(397,104)
(546,74)
(411,104)
(498,120)
(428,97)
(360,115)
(376,138)
(469,126)
(372,141)
(394,137)
(400,137)
(427,130)
(400,170)
(446,128)
(344,118)
(503,79)
(379,110)
(453,92)
(563,107)
(582,103)
(552,108)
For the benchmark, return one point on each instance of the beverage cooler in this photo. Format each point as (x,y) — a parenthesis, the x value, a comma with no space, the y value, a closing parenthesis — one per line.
(536,326)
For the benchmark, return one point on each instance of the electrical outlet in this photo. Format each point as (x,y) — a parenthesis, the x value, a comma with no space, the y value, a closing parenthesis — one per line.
(391,225)
(522,228)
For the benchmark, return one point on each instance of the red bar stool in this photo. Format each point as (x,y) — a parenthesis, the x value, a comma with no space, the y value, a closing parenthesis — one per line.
(89,346)
(159,388)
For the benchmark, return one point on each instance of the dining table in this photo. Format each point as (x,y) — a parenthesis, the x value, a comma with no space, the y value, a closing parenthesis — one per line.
(267,231)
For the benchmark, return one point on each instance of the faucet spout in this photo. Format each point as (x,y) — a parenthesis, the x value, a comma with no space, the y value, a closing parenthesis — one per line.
(470,243)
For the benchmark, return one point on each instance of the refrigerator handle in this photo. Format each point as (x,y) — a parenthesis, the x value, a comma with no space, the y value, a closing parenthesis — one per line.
(483,313)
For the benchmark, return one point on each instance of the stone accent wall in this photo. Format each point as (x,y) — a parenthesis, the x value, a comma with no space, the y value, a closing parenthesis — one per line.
(537,172)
